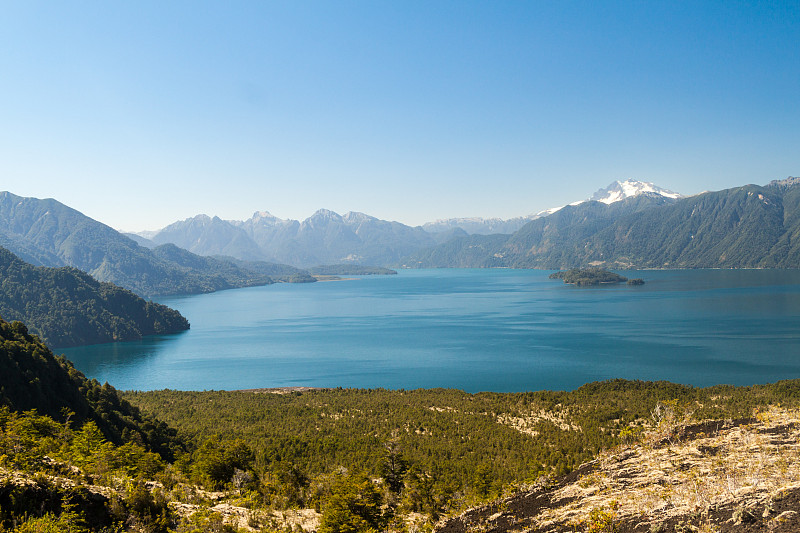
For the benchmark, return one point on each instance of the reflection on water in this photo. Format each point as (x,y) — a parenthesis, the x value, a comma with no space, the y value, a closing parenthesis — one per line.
(113,361)
(502,330)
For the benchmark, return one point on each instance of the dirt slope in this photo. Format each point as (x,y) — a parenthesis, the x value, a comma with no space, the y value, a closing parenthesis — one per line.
(719,476)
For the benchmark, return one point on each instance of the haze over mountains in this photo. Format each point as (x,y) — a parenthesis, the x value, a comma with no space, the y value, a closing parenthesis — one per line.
(324,238)
(48,233)
(327,237)
(628,224)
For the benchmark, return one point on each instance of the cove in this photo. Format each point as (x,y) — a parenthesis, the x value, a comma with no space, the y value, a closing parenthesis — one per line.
(475,330)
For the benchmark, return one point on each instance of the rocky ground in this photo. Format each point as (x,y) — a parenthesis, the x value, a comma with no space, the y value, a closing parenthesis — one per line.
(736,475)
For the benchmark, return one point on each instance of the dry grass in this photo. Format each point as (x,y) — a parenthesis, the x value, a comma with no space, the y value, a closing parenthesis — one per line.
(675,474)
(657,480)
(525,423)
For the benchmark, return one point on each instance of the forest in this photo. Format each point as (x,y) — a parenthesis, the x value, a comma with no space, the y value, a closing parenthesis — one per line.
(79,456)
(435,451)
(67,307)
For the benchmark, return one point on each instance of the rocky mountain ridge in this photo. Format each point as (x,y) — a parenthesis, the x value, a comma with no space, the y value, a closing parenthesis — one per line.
(327,237)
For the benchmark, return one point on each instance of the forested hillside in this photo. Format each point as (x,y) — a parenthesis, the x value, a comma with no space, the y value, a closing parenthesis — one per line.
(350,270)
(275,271)
(548,239)
(48,233)
(436,450)
(745,227)
(32,377)
(67,307)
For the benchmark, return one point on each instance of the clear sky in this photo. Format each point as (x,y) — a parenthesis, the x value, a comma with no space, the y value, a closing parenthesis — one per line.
(145,112)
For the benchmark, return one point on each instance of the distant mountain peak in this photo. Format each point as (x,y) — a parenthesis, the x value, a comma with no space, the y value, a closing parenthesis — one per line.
(263,219)
(264,215)
(620,190)
(354,217)
(326,214)
(201,219)
(615,192)
(791,181)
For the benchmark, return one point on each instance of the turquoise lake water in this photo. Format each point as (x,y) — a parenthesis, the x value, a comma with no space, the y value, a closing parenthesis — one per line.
(476,330)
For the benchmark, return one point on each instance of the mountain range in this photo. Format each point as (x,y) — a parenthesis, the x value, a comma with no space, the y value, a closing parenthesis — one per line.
(628,224)
(615,192)
(354,238)
(324,238)
(743,227)
(48,233)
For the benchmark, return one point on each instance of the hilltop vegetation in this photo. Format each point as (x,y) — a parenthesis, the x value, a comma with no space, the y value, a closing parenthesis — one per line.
(681,475)
(437,451)
(67,307)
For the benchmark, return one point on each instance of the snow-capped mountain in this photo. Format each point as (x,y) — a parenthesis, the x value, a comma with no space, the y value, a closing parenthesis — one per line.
(327,237)
(615,192)
(620,190)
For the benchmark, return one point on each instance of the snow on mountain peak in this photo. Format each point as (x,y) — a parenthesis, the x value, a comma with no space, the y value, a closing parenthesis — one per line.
(620,190)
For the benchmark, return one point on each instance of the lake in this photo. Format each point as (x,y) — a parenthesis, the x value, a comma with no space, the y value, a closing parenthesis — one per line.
(475,330)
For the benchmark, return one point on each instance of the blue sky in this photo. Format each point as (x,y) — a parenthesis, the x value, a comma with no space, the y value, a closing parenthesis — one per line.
(142,113)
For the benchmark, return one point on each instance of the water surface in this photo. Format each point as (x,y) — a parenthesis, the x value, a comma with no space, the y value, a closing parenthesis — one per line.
(499,330)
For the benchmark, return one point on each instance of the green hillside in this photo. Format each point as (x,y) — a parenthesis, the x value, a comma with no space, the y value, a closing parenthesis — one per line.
(67,307)
(48,233)
(32,377)
(275,271)
(452,447)
(350,270)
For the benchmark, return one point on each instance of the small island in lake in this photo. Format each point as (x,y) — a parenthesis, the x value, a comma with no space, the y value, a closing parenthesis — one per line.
(592,276)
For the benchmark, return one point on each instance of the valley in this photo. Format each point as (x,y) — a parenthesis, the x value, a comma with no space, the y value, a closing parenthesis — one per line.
(400,267)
